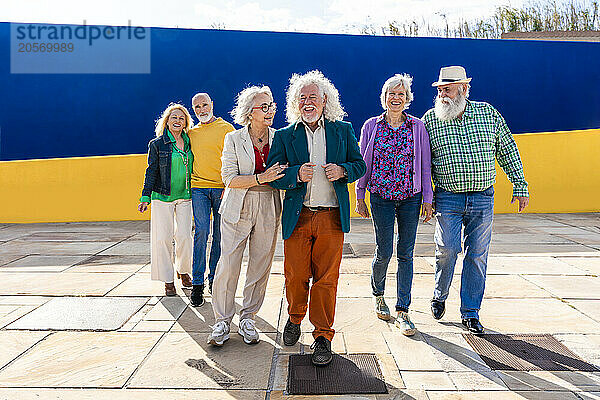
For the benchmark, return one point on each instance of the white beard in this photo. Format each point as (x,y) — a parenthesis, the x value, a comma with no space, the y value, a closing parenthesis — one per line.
(205,119)
(451,109)
(312,120)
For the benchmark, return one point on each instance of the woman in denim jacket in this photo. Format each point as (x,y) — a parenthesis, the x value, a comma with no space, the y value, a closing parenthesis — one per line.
(395,147)
(167,188)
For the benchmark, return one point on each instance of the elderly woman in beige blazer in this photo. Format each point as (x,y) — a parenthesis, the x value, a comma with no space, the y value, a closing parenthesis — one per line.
(250,214)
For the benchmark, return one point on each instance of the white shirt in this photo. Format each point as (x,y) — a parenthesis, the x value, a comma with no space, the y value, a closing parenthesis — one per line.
(319,191)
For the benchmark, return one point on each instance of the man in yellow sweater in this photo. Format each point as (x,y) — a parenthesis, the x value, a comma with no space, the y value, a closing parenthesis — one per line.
(206,140)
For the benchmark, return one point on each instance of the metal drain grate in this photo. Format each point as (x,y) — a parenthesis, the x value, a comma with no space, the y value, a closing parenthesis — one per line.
(350,374)
(526,353)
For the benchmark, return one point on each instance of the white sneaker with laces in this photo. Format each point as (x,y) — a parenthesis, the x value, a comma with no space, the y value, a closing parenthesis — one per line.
(219,334)
(248,331)
(405,325)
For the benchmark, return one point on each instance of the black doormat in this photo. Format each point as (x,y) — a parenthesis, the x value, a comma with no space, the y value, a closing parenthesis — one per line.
(526,353)
(349,374)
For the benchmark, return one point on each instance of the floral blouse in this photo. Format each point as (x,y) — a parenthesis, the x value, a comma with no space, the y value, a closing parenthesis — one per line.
(393,153)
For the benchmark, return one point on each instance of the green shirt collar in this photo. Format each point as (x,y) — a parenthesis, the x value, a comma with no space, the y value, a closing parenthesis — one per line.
(186,138)
(468,110)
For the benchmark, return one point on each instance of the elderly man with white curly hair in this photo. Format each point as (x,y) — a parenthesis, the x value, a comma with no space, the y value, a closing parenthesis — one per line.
(467,137)
(322,155)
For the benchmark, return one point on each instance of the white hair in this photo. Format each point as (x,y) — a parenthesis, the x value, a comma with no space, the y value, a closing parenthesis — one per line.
(245,102)
(403,80)
(333,109)
(448,109)
(465,92)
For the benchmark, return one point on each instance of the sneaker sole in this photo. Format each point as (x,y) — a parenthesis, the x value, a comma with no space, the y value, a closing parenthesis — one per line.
(385,317)
(218,343)
(409,332)
(251,341)
(290,344)
(406,332)
(473,332)
(323,364)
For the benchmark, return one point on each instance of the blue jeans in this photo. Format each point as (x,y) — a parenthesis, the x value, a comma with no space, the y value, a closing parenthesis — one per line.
(385,213)
(203,202)
(474,211)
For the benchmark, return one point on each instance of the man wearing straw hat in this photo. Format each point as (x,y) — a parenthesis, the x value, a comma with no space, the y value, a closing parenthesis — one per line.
(466,139)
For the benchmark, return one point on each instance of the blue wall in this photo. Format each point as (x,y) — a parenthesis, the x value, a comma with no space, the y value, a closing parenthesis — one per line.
(537,86)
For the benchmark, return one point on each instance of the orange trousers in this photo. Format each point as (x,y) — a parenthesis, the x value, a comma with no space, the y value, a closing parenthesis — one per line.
(314,250)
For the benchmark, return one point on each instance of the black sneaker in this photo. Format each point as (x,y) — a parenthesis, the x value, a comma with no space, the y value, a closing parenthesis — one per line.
(291,333)
(197,296)
(321,352)
(210,287)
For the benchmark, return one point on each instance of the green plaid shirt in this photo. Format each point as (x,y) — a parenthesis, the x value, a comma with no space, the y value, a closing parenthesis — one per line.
(463,150)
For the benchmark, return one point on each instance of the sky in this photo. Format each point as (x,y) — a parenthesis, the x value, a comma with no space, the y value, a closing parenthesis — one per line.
(317,16)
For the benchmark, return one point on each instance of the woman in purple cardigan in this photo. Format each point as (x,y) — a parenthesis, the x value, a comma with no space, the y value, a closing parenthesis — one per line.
(395,147)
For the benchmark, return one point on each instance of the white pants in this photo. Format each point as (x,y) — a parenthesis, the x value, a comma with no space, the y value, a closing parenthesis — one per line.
(168,221)
(258,223)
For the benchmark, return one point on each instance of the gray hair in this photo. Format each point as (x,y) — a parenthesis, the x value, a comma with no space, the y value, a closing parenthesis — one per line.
(465,92)
(244,103)
(333,109)
(403,80)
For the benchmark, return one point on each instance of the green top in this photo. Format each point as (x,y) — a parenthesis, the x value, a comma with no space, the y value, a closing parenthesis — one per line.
(181,172)
(463,150)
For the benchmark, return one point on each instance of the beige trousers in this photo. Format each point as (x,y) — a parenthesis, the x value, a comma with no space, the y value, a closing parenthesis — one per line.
(168,221)
(259,220)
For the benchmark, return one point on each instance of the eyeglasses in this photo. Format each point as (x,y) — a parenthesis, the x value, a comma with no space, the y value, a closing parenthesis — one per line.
(266,107)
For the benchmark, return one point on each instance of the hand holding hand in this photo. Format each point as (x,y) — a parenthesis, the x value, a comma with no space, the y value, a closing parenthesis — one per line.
(143,206)
(305,173)
(523,202)
(427,212)
(362,209)
(333,171)
(272,173)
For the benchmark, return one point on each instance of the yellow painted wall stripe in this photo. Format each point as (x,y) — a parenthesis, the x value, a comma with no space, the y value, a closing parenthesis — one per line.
(562,168)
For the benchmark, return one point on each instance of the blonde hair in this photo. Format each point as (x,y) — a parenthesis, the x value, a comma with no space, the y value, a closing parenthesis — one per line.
(245,102)
(333,109)
(161,122)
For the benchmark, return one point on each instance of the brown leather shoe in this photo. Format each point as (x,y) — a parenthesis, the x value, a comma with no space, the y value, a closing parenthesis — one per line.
(170,289)
(186,281)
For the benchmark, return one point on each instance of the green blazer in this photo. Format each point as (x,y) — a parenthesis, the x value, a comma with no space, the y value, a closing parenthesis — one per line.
(290,147)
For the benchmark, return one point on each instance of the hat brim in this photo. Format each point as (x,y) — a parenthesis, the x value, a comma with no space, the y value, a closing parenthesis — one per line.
(438,83)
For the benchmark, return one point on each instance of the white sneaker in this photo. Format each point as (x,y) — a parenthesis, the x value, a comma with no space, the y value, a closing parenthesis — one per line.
(405,325)
(247,330)
(219,334)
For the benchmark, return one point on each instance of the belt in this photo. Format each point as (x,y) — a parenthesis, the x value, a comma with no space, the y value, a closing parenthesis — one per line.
(314,209)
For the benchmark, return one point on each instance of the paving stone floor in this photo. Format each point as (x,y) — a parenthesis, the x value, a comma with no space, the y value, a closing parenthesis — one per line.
(543,278)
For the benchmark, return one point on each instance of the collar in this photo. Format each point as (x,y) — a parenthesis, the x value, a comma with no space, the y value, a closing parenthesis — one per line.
(409,120)
(200,124)
(321,123)
(469,110)
(168,138)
